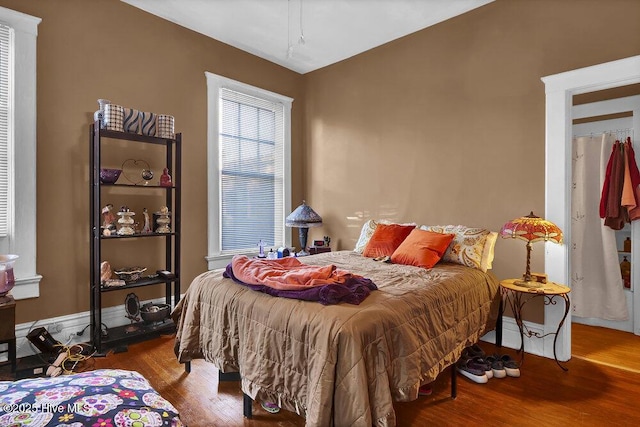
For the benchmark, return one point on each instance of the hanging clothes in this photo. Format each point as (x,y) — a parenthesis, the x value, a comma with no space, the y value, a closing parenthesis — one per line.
(634,213)
(615,216)
(628,198)
(596,284)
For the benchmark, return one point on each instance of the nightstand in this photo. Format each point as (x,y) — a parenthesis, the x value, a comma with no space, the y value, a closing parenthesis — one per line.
(318,249)
(8,330)
(517,296)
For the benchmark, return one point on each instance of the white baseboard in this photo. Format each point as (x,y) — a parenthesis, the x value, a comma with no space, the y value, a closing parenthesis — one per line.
(66,328)
(511,336)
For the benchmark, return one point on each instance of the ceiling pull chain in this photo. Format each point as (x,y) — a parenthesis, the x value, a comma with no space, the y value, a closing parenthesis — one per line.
(301,39)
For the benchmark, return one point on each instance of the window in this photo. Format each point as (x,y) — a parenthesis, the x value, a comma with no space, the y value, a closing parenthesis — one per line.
(18,34)
(5,130)
(249,168)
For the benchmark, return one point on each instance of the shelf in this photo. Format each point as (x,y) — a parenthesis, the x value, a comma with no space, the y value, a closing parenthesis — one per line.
(135,137)
(170,246)
(132,236)
(137,284)
(119,334)
(138,186)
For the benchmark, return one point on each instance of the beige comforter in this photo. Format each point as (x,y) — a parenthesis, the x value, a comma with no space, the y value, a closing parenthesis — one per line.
(341,365)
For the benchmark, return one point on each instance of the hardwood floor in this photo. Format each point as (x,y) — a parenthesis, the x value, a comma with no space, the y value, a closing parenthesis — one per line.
(606,347)
(591,393)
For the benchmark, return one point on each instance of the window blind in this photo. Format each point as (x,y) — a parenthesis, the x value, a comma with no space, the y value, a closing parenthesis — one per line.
(251,144)
(5,130)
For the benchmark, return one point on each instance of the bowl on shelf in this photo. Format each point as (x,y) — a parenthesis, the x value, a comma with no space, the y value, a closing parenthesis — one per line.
(154,312)
(130,274)
(109,176)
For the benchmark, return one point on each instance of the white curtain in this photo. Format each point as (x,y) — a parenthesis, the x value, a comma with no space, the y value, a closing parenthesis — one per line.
(596,284)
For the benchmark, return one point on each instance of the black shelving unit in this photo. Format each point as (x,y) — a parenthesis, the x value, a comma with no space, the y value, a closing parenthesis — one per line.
(122,335)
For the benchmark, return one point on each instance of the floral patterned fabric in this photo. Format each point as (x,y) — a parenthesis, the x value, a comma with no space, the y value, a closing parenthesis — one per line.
(468,245)
(101,398)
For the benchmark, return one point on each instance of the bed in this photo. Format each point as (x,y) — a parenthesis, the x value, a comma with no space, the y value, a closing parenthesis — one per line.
(104,397)
(341,364)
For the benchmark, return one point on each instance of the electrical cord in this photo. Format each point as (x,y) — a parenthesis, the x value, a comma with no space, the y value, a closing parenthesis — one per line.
(68,360)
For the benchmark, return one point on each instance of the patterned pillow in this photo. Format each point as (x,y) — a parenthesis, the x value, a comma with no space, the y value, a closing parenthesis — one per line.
(468,245)
(367,231)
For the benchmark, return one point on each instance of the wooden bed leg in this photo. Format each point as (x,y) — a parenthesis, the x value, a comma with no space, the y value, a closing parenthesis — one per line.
(454,378)
(187,367)
(246,406)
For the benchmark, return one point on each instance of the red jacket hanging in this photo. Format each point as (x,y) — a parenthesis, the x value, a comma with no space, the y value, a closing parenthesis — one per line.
(615,214)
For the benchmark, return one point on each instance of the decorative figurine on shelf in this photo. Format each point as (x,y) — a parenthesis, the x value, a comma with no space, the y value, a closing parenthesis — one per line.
(105,271)
(125,222)
(625,270)
(108,220)
(165,178)
(146,228)
(163,220)
(327,240)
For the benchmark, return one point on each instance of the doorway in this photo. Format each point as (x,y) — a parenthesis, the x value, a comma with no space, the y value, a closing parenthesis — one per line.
(560,89)
(590,132)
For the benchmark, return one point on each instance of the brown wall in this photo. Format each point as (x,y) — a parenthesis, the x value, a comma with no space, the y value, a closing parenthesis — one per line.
(447,125)
(433,128)
(108,49)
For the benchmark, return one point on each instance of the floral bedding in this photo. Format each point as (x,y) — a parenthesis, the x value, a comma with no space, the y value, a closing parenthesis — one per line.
(100,398)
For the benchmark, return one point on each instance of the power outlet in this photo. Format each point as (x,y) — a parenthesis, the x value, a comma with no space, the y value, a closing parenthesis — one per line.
(55,328)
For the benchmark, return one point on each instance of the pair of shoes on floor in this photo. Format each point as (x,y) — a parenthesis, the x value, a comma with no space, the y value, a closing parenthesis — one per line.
(425,390)
(510,367)
(270,407)
(478,367)
(474,368)
(474,365)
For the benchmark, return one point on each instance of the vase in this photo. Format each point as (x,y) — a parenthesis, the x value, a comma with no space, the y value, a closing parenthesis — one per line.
(98,116)
(147,123)
(114,117)
(164,126)
(131,121)
(7,279)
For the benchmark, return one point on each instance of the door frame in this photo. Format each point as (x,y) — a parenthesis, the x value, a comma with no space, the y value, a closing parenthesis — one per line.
(560,89)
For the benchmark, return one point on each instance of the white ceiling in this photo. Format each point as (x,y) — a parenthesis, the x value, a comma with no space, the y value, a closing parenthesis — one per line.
(332,30)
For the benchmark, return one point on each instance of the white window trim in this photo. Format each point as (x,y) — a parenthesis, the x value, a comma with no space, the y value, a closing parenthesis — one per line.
(22,239)
(214,84)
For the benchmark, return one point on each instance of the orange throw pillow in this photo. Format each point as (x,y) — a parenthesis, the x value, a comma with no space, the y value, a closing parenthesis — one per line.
(386,239)
(422,248)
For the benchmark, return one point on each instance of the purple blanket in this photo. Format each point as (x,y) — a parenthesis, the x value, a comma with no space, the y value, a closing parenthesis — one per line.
(353,291)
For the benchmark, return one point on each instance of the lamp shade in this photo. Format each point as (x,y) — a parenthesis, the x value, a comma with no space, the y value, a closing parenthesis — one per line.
(532,228)
(303,217)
